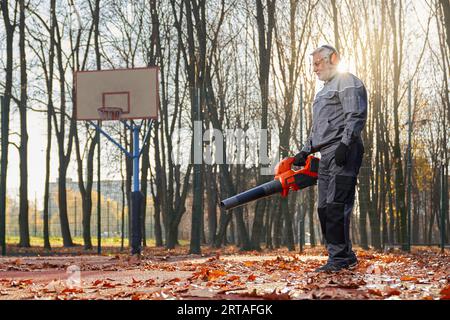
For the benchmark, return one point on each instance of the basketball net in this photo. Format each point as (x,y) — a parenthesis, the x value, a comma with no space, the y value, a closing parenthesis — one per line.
(109,113)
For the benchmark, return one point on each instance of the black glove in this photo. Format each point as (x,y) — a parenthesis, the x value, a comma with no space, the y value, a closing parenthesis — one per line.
(340,155)
(300,158)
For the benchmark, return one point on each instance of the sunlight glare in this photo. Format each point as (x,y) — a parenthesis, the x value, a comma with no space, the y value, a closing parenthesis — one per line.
(343,66)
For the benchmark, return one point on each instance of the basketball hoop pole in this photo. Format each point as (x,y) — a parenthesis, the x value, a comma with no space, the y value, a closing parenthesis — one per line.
(136,153)
(136,195)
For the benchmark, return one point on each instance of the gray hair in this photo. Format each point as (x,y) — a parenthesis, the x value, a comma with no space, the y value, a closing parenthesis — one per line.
(325,51)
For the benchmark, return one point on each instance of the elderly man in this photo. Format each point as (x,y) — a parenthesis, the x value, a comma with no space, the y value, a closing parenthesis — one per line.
(339,116)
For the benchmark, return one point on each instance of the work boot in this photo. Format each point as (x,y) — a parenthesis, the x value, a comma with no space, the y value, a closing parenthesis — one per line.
(352,262)
(333,267)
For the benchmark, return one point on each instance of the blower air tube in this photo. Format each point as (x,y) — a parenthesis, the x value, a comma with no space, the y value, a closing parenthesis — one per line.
(264,190)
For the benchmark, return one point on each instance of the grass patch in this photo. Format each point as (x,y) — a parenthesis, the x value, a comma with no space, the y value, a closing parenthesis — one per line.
(58,241)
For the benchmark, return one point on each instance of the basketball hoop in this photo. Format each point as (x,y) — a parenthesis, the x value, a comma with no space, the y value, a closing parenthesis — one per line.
(109,113)
(116,94)
(120,94)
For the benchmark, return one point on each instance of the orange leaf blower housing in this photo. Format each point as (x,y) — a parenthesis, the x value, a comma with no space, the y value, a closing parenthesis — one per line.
(285,179)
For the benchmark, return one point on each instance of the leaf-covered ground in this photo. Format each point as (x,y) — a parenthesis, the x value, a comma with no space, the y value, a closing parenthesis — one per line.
(226,274)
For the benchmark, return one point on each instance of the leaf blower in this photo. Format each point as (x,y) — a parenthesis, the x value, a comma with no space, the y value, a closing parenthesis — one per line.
(285,179)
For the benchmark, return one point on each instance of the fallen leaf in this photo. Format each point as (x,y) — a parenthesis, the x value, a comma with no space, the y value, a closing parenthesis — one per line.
(174,280)
(374,269)
(375,292)
(123,294)
(96,282)
(149,282)
(21,283)
(136,296)
(391,292)
(408,278)
(17,262)
(72,290)
(215,274)
(233,278)
(251,277)
(445,293)
(107,284)
(226,289)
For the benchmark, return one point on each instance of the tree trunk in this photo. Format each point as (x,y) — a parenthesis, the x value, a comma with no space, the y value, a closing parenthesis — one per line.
(172,236)
(23,148)
(335,25)
(156,200)
(160,196)
(144,183)
(399,177)
(5,106)
(63,153)
(197,183)
(50,115)
(311,214)
(267,227)
(62,200)
(258,224)
(211,197)
(264,50)
(86,191)
(446,10)
(47,177)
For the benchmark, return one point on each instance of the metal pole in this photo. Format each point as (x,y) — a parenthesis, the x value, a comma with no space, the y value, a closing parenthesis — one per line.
(99,222)
(409,167)
(135,158)
(136,196)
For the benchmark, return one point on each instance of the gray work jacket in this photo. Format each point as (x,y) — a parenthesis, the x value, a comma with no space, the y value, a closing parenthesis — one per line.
(339,113)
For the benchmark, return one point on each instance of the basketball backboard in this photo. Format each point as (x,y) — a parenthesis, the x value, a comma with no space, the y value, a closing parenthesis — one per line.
(116,94)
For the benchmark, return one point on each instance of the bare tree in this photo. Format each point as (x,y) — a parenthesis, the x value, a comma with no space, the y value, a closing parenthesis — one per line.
(265,31)
(91,138)
(23,146)
(60,124)
(10,25)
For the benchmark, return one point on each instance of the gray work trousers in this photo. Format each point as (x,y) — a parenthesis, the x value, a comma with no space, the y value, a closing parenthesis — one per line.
(336,187)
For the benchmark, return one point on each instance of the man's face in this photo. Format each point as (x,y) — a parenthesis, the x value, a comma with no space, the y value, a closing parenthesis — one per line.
(322,68)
